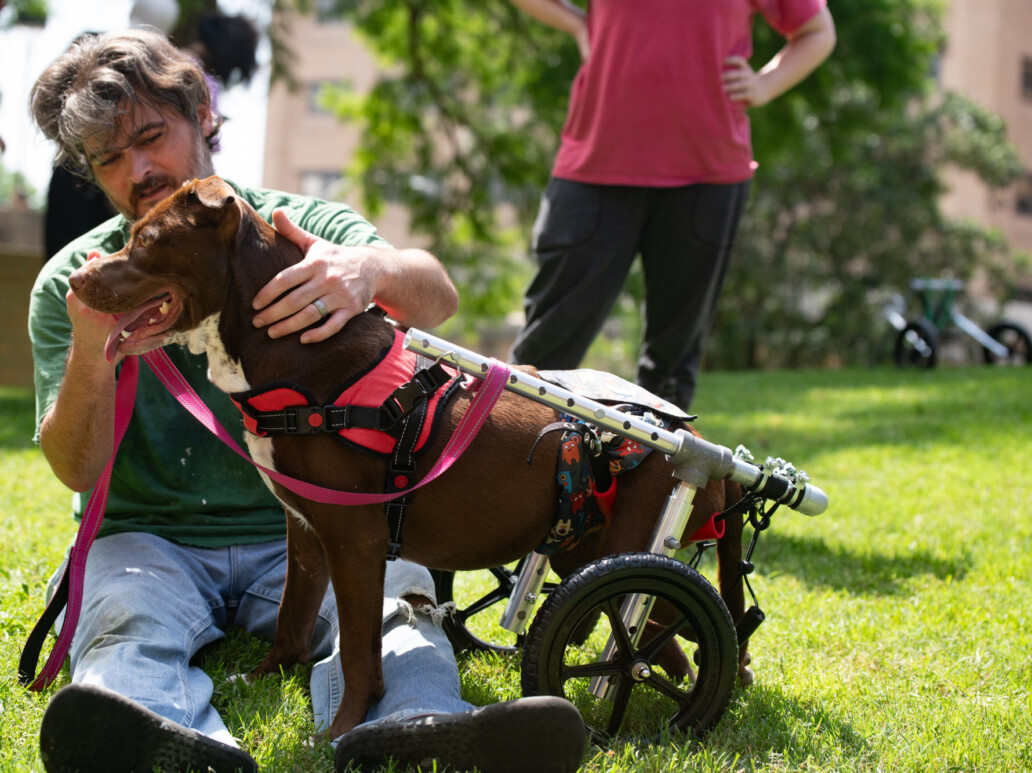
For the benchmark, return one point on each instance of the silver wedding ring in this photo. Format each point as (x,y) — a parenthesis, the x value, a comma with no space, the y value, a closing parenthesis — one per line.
(321,308)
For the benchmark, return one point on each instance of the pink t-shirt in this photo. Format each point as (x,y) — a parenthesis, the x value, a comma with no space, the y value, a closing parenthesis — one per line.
(648,108)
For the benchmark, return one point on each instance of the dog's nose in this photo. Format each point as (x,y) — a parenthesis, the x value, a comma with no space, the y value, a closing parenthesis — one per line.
(76,280)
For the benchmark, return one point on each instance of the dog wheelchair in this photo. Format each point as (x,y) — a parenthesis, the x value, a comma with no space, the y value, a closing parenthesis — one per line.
(1005,343)
(591,640)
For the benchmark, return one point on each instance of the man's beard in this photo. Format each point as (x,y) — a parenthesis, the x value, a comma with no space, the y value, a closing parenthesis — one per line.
(199,167)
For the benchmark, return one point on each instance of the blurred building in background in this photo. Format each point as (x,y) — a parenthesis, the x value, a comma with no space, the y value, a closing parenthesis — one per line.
(988,58)
(307,148)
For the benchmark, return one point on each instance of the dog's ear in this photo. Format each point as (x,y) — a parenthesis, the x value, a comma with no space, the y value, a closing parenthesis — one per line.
(221,205)
(214,192)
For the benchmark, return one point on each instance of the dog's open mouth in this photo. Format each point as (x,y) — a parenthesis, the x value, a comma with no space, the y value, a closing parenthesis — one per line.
(137,329)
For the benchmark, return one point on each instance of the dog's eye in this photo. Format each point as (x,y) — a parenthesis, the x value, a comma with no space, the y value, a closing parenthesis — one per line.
(143,241)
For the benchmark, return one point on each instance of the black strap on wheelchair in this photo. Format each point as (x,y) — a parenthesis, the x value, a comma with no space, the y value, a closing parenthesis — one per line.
(759,519)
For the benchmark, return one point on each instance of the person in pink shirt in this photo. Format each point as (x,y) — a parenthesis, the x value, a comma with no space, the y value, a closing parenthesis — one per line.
(655,159)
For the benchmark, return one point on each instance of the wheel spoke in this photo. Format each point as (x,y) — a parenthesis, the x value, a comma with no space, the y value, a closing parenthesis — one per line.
(669,689)
(506,577)
(655,644)
(590,670)
(623,639)
(623,697)
(482,603)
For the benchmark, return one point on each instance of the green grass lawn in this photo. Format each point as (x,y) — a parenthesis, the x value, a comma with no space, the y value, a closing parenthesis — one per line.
(898,623)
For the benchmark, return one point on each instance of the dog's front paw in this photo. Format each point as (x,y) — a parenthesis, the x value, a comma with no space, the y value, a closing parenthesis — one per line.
(277,661)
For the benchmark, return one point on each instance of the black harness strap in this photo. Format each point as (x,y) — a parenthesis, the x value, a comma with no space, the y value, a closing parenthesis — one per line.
(401,468)
(403,415)
(313,419)
(598,462)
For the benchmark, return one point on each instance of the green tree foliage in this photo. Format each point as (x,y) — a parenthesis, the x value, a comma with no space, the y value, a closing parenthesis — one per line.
(461,130)
(463,126)
(845,204)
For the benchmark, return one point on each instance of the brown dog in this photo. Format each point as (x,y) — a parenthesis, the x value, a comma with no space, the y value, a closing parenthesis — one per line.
(194,264)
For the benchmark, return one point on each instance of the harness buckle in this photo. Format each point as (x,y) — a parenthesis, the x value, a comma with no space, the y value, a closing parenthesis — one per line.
(408,396)
(402,401)
(306,419)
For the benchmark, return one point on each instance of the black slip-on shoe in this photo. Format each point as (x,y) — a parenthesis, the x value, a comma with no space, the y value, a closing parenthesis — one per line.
(92,730)
(543,734)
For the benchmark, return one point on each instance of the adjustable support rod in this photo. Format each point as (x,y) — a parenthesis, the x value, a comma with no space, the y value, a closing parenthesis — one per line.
(695,460)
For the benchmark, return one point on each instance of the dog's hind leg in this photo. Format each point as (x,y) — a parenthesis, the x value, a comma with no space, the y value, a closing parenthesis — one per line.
(303,591)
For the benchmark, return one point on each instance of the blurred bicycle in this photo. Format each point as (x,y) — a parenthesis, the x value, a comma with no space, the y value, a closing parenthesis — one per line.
(1004,343)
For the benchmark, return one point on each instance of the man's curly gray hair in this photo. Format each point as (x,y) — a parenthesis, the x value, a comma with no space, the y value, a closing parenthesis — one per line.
(100,78)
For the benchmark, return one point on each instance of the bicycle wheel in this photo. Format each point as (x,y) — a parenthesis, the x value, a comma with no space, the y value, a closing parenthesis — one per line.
(554,664)
(480,597)
(1017,341)
(916,344)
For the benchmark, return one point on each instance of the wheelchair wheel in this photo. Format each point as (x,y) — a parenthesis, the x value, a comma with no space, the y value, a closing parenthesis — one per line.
(480,597)
(916,344)
(1017,341)
(555,664)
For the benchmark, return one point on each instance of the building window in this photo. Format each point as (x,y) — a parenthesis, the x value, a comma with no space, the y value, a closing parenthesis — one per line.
(322,184)
(1026,78)
(327,11)
(316,105)
(321,95)
(1023,199)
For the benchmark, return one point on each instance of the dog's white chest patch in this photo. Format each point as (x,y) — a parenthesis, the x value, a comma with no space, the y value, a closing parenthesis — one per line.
(223,372)
(227,374)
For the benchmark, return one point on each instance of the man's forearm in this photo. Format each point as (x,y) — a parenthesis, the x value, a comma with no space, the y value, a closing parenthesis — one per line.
(77,434)
(415,289)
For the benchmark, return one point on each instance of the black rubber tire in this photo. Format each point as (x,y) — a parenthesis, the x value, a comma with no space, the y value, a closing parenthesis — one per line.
(916,345)
(549,653)
(491,604)
(1016,338)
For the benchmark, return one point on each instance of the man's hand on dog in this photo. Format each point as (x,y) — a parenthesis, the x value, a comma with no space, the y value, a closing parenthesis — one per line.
(409,284)
(343,278)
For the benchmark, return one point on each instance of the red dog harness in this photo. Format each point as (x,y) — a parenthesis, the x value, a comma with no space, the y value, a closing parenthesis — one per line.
(371,413)
(367,411)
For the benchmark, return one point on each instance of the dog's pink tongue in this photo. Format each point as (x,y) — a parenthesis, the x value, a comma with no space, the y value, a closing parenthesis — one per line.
(124,321)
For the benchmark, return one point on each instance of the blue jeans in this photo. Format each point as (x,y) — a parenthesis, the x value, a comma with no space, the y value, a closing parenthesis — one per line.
(149,605)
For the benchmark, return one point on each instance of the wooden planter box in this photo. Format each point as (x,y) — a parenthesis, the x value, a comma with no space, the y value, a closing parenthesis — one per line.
(21,257)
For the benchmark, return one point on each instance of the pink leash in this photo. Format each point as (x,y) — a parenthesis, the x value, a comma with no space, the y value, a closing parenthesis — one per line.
(487,395)
(70,588)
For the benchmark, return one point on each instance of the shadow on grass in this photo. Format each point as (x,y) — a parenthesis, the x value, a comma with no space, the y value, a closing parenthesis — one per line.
(17,419)
(271,716)
(767,725)
(814,562)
